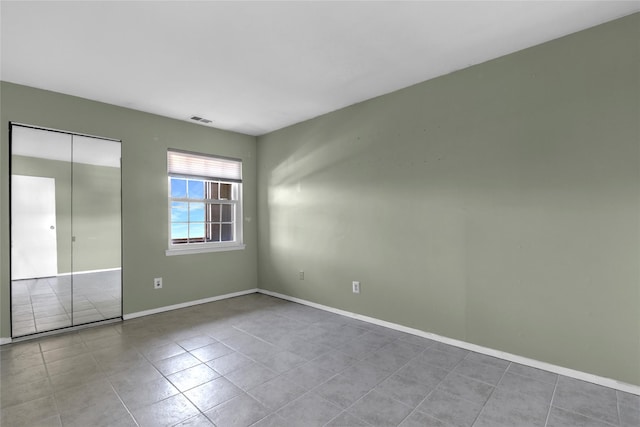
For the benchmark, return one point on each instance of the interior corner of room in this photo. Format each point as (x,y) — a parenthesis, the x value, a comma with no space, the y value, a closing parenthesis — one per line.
(498,205)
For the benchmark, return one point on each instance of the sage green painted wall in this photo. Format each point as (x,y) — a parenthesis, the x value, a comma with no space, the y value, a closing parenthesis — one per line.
(96,211)
(145,139)
(96,217)
(499,204)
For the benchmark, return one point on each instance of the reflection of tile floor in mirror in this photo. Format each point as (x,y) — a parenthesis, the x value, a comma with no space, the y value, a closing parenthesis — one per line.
(260,361)
(44,304)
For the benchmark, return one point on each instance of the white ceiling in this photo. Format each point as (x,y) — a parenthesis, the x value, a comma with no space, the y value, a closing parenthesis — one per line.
(254,67)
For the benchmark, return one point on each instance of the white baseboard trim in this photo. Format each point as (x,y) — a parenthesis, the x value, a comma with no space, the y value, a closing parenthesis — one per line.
(4,341)
(65,330)
(187,304)
(90,271)
(584,376)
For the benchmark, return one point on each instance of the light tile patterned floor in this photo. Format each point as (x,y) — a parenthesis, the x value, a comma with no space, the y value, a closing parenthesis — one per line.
(261,361)
(48,303)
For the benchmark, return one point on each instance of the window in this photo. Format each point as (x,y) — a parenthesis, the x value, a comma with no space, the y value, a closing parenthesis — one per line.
(205,203)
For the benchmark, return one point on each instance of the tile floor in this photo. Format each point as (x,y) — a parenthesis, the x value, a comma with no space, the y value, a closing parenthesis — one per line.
(261,361)
(48,303)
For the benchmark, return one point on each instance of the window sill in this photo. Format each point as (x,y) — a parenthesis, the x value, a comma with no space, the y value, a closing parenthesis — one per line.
(195,250)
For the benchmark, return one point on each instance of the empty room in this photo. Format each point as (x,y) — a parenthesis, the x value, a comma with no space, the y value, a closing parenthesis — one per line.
(320,213)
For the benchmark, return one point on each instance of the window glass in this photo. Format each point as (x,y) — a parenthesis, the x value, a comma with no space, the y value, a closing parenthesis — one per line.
(196,189)
(179,212)
(178,188)
(215,213)
(196,212)
(227,233)
(214,190)
(196,230)
(225,191)
(215,234)
(226,213)
(179,230)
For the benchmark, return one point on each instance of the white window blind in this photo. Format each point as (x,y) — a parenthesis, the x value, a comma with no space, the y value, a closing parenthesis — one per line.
(184,163)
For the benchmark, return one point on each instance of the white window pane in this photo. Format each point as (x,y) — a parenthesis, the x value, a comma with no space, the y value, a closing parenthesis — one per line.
(213,190)
(196,212)
(227,233)
(179,231)
(225,191)
(179,212)
(178,187)
(226,213)
(215,233)
(196,231)
(196,189)
(215,212)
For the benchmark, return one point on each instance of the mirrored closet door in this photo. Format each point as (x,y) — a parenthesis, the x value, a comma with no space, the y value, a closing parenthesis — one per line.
(65,230)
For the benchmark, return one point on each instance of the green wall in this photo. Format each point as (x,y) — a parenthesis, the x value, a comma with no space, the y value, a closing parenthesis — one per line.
(96,211)
(145,139)
(499,204)
(96,217)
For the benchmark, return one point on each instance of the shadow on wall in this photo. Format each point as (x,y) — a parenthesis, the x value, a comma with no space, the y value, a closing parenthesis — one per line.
(298,197)
(347,201)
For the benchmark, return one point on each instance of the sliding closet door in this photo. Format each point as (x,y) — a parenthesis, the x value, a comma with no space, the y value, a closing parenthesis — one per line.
(65,230)
(96,234)
(40,230)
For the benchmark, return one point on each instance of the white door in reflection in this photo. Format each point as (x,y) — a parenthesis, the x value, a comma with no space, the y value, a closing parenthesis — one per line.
(33,232)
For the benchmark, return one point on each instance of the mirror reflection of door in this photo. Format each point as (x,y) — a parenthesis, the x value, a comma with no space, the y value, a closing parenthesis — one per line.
(33,226)
(96,230)
(65,230)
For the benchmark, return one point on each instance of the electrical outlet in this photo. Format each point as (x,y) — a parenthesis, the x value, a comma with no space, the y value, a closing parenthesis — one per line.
(301,275)
(157,283)
(356,287)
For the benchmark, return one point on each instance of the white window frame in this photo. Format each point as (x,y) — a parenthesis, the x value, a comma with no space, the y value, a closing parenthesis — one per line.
(206,168)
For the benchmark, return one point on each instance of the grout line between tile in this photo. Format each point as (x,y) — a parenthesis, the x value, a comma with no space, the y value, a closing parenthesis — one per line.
(618,408)
(588,417)
(434,388)
(495,387)
(122,402)
(553,396)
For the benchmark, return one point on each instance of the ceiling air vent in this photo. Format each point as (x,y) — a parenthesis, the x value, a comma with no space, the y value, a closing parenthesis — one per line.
(200,119)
